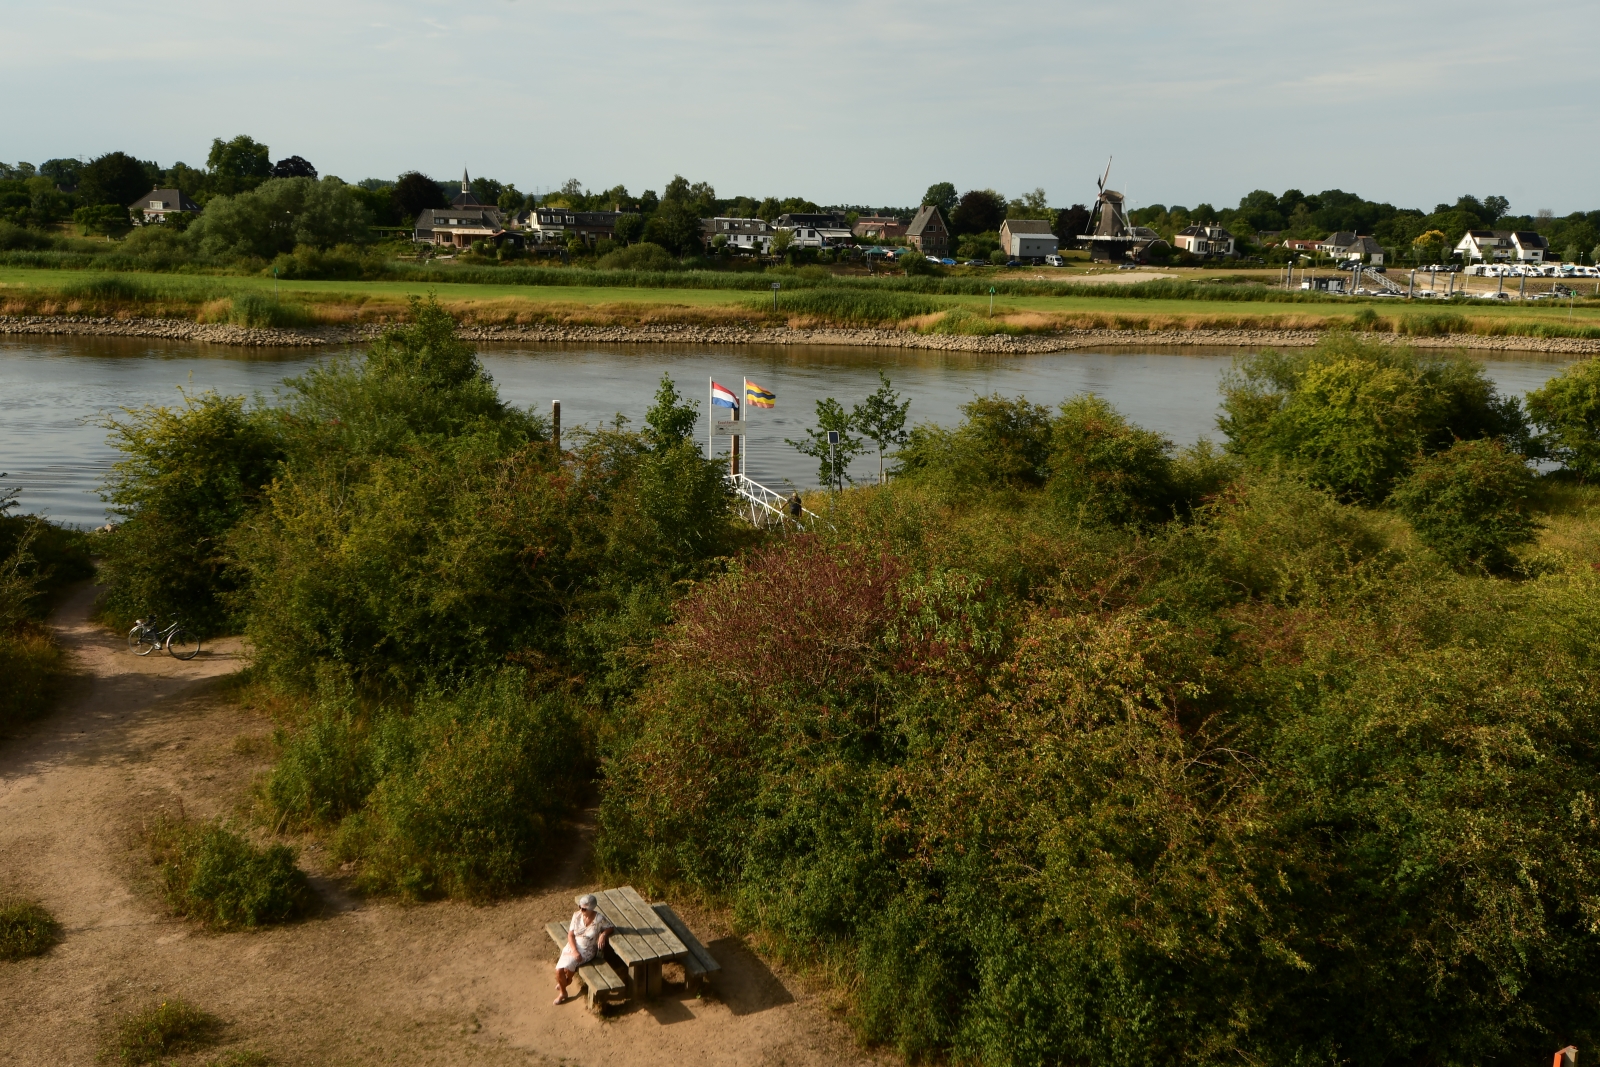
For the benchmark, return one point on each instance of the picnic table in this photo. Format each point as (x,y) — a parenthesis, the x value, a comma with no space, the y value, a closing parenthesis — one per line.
(644,937)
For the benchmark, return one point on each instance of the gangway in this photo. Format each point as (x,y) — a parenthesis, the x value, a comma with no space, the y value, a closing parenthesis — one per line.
(765,507)
(1372,277)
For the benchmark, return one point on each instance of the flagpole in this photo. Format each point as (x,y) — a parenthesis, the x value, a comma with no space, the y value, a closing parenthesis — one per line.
(744,401)
(711,421)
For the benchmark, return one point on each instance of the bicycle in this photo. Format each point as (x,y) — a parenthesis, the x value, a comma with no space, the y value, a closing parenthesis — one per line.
(145,638)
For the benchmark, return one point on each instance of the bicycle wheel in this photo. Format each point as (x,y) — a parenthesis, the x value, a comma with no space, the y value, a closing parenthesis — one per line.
(142,640)
(182,644)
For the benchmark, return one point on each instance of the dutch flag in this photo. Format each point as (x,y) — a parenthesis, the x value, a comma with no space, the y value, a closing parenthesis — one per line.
(723,398)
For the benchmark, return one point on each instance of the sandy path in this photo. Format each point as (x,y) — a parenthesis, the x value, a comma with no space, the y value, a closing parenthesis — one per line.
(366,982)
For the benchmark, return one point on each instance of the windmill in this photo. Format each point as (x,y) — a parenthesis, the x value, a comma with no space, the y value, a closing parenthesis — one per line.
(1113,237)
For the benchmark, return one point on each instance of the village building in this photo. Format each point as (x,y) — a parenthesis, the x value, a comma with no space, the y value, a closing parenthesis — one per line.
(1524,246)
(879,227)
(558,225)
(1029,240)
(1301,245)
(1337,244)
(928,233)
(160,204)
(743,235)
(1207,240)
(815,230)
(463,222)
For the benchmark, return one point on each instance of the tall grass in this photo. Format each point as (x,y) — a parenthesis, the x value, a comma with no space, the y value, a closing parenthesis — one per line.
(854,306)
(259,309)
(170,1027)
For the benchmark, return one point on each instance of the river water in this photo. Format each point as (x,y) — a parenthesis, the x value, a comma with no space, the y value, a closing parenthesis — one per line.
(55,392)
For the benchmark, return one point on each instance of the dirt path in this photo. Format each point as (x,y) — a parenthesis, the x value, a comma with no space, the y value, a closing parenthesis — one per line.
(367,982)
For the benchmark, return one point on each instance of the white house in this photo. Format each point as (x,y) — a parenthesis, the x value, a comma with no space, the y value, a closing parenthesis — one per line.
(744,235)
(1034,246)
(1207,240)
(1523,246)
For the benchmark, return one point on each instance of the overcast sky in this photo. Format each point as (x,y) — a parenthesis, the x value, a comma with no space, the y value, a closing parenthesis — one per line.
(862,102)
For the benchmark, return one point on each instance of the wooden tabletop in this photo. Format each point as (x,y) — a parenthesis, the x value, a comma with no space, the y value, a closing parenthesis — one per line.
(640,935)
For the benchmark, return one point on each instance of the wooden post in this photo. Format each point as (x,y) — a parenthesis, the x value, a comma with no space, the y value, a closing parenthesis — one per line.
(653,978)
(1567,1057)
(555,424)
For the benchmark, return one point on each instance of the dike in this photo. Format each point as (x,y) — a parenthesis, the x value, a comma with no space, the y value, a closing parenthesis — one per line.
(1000,344)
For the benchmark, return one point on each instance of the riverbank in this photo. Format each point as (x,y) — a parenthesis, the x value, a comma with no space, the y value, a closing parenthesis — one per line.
(674,333)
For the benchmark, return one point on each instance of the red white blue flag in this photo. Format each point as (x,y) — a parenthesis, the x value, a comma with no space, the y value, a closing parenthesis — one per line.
(722,397)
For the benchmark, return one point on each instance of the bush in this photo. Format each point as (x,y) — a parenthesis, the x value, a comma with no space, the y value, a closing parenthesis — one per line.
(208,872)
(469,788)
(15,238)
(1353,415)
(1471,504)
(1001,443)
(187,477)
(279,215)
(1108,470)
(168,1028)
(26,929)
(643,256)
(1567,408)
(110,289)
(37,558)
(35,668)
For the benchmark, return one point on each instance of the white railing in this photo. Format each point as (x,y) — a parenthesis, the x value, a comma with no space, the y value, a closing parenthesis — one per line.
(761,506)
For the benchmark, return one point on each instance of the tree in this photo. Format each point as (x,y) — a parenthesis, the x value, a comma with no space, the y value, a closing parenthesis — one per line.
(293,167)
(415,192)
(980,210)
(1034,205)
(1072,223)
(671,419)
(629,228)
(1567,408)
(238,165)
(62,171)
(1470,504)
(114,178)
(110,220)
(941,195)
(833,460)
(881,418)
(281,214)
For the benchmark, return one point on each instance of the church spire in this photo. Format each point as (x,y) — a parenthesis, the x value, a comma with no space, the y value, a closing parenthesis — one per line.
(466,183)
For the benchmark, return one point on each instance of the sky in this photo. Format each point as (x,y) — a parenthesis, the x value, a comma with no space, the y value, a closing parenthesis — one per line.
(867,102)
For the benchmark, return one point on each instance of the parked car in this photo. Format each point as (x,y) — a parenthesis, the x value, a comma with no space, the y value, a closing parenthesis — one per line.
(1015,263)
(948,262)
(1129,266)
(933,259)
(976,263)
(1503,297)
(1055,261)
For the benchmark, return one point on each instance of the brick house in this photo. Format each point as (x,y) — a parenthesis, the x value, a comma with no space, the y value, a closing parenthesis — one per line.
(928,233)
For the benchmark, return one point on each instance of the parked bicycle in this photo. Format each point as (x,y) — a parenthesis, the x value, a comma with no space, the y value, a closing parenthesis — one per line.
(147,637)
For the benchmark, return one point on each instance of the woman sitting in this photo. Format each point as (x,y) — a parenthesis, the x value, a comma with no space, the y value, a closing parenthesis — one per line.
(587,935)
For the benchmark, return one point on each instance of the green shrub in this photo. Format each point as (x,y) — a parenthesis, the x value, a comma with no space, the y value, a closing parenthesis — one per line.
(26,929)
(1108,470)
(326,770)
(16,238)
(36,559)
(187,477)
(469,788)
(1435,324)
(1353,415)
(643,256)
(34,668)
(110,289)
(1001,443)
(258,309)
(1471,504)
(208,872)
(1567,409)
(171,1027)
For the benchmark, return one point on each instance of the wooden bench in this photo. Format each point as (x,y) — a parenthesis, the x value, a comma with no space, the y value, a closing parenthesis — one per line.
(699,965)
(601,983)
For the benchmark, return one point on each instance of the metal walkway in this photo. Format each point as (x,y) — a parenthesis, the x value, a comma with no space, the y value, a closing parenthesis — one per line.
(766,508)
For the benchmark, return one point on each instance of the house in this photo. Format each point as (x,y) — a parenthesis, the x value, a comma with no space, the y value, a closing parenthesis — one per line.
(744,235)
(158,204)
(928,233)
(558,225)
(1521,245)
(879,227)
(463,222)
(1365,248)
(1012,227)
(815,230)
(1204,240)
(1337,244)
(1299,245)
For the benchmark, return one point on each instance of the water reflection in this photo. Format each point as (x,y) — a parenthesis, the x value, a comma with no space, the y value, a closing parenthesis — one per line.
(53,391)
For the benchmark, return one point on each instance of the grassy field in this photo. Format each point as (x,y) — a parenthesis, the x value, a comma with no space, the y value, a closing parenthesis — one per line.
(1022,306)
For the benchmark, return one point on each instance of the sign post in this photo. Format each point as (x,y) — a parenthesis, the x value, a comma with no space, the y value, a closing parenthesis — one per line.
(833,462)
(775,287)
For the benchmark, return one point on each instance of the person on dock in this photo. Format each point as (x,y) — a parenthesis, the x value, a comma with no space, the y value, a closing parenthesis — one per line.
(587,935)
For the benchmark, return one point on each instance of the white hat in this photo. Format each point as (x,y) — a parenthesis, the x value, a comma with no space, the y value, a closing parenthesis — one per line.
(587,902)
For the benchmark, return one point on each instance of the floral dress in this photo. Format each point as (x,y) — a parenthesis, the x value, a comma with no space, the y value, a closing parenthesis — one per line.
(587,936)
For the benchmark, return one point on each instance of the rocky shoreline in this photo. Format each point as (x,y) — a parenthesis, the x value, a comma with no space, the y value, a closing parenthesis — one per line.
(1027,344)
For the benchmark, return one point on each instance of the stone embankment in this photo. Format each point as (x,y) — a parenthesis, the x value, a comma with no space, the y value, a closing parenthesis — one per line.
(1025,344)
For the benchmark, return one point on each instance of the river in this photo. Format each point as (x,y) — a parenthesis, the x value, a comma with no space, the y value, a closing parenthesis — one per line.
(54,393)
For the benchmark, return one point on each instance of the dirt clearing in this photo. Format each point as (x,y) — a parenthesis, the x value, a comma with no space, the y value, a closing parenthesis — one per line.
(365,982)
